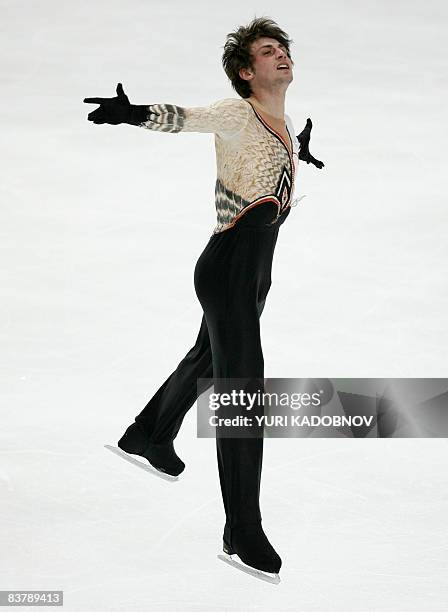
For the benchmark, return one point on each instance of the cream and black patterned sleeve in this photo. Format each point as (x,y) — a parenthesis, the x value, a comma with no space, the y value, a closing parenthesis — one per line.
(225,118)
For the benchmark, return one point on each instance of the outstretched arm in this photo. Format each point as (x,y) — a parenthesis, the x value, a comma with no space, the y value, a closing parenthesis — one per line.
(225,117)
(304,141)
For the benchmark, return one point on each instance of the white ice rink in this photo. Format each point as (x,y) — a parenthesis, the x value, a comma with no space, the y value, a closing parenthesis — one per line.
(100,230)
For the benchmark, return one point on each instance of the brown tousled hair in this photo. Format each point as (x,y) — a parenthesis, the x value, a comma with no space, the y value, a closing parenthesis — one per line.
(237,49)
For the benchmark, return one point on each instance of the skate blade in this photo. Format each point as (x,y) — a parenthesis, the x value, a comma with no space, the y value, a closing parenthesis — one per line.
(235,561)
(144,466)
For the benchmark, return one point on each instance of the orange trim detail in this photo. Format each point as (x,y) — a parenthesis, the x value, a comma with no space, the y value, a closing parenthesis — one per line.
(262,200)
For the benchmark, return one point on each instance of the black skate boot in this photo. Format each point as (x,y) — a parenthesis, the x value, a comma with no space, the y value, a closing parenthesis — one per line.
(254,550)
(162,457)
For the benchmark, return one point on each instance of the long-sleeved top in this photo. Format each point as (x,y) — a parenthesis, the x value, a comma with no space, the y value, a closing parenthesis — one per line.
(254,164)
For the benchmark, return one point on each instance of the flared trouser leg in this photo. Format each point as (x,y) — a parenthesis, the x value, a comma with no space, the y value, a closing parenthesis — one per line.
(240,459)
(162,416)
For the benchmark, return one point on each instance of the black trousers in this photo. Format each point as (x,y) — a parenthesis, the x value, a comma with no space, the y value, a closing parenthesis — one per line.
(232,279)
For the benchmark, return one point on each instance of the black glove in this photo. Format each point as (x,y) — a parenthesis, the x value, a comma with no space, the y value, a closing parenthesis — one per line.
(304,141)
(117,110)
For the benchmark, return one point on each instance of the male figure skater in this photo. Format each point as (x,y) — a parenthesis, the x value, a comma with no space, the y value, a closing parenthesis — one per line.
(257,156)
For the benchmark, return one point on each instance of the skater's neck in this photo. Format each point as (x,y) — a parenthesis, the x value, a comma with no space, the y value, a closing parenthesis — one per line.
(270,102)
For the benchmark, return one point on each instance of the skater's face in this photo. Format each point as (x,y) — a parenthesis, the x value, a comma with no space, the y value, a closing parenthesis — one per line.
(272,65)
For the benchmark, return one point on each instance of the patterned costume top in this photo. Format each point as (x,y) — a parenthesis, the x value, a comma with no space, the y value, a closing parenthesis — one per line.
(254,165)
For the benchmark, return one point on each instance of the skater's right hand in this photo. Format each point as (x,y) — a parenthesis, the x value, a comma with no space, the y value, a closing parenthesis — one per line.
(116,110)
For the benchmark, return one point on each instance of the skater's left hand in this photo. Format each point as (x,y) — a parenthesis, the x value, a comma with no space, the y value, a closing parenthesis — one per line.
(304,141)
